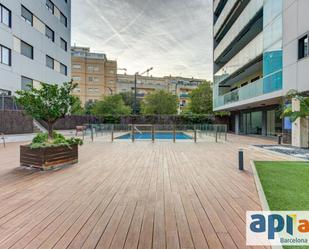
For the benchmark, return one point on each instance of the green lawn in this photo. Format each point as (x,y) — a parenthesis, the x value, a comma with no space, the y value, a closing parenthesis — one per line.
(286,185)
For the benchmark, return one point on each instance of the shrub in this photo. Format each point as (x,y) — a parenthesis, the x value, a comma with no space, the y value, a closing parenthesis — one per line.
(41,140)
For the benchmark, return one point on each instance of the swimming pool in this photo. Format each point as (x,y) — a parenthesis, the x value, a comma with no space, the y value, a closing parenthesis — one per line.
(158,135)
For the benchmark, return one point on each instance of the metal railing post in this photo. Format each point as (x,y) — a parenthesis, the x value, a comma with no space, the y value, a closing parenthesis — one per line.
(194,133)
(174,133)
(216,133)
(91,128)
(133,133)
(112,133)
(153,133)
(226,133)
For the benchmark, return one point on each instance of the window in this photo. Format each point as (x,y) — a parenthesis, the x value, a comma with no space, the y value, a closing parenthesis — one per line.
(90,78)
(5,55)
(63,19)
(77,66)
(50,6)
(76,78)
(27,15)
(26,49)
(50,34)
(63,44)
(63,69)
(50,62)
(25,83)
(303,47)
(5,16)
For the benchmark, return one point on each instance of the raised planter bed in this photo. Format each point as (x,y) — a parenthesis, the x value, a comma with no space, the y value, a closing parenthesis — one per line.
(48,158)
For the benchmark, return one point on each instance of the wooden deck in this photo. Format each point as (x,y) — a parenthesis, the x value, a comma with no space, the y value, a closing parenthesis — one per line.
(131,196)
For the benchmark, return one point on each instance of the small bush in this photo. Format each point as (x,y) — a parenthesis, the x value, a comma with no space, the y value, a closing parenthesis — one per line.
(41,141)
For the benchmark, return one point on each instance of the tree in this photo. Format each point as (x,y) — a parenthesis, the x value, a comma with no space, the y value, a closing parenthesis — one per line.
(77,108)
(128,98)
(201,99)
(111,105)
(88,107)
(48,102)
(160,103)
(303,111)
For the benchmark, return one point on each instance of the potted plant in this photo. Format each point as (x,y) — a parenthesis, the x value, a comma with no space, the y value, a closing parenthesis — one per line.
(49,103)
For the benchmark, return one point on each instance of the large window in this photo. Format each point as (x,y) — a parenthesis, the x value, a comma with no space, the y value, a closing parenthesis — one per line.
(5,55)
(63,19)
(303,50)
(50,62)
(63,44)
(50,6)
(26,49)
(26,15)
(63,69)
(5,16)
(50,34)
(26,83)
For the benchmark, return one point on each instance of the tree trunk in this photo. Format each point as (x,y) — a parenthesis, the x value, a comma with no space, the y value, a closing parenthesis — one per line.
(50,130)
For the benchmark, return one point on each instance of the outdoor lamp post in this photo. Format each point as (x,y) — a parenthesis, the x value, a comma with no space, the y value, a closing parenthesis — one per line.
(135,88)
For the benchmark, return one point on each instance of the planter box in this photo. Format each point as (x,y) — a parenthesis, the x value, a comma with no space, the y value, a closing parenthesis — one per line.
(48,158)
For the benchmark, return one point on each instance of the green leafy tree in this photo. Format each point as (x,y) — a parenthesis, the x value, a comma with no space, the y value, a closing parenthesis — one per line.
(128,98)
(77,108)
(201,100)
(88,107)
(303,111)
(48,102)
(111,105)
(160,103)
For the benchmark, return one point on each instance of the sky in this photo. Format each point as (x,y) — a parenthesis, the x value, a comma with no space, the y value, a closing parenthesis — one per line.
(172,36)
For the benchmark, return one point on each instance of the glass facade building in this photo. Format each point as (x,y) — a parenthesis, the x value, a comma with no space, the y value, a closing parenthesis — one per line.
(248,64)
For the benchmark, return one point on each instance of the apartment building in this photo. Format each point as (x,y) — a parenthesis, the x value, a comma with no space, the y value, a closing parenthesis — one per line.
(260,53)
(179,86)
(35,45)
(95,75)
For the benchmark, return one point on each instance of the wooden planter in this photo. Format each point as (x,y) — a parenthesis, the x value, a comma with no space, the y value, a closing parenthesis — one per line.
(48,158)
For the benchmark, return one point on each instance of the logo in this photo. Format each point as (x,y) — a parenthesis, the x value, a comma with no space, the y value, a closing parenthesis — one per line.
(272,228)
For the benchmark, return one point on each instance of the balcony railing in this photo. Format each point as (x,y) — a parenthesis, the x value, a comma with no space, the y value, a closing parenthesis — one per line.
(252,90)
(248,54)
(184,95)
(216,3)
(246,16)
(225,13)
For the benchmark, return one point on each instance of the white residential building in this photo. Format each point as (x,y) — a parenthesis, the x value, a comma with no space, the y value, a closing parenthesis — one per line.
(260,53)
(35,37)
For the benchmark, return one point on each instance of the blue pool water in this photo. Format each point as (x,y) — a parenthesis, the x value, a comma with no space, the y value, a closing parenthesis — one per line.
(158,135)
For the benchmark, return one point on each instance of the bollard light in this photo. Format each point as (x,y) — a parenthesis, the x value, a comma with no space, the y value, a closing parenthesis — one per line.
(241,159)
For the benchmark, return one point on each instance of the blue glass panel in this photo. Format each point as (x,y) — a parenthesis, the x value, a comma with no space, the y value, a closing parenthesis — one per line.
(273,82)
(272,62)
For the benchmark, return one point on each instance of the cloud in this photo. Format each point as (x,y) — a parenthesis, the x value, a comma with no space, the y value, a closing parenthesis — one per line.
(173,36)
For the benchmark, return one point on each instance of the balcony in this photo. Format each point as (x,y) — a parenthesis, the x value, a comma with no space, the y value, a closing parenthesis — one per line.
(251,10)
(184,95)
(255,89)
(252,90)
(246,56)
(224,14)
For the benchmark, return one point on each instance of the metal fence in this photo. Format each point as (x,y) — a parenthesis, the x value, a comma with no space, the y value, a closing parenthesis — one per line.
(146,132)
(8,103)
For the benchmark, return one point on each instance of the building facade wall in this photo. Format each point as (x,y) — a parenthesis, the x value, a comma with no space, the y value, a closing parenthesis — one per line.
(34,35)
(94,74)
(179,86)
